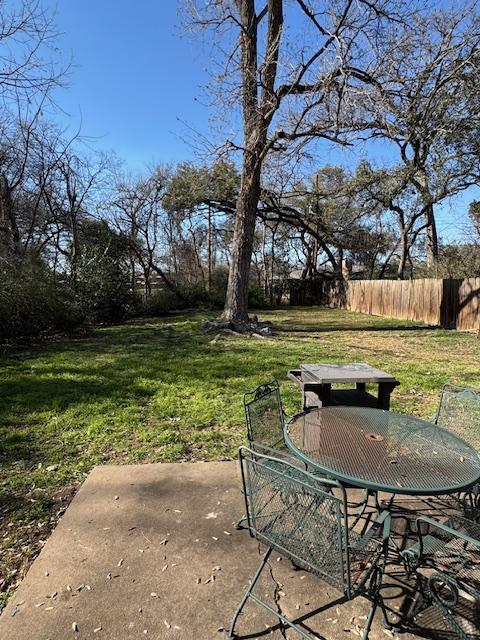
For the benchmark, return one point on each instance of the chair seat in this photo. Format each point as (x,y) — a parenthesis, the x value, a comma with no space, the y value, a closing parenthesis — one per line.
(452,556)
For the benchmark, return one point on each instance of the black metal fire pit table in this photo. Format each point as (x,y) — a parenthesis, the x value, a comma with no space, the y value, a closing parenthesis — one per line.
(382,451)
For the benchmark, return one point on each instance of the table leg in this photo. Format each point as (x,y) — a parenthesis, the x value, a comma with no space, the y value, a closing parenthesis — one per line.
(361,386)
(384,391)
(325,394)
(312,396)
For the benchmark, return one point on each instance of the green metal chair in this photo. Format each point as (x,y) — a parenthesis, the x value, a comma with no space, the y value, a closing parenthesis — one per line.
(265,421)
(446,561)
(293,514)
(459,411)
(265,418)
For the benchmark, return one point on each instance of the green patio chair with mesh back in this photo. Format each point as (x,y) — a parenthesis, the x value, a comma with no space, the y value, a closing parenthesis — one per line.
(459,411)
(294,515)
(265,418)
(446,560)
(265,421)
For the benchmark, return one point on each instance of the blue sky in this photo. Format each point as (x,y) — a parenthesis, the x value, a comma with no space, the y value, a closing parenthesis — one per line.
(136,81)
(134,77)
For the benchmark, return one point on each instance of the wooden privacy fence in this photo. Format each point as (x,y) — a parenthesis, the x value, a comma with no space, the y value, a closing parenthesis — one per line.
(453,304)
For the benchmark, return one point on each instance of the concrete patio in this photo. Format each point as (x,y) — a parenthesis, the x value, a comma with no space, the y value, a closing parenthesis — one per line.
(150,551)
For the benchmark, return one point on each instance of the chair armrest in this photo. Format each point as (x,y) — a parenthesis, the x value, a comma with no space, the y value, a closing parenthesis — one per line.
(435,538)
(446,529)
(382,521)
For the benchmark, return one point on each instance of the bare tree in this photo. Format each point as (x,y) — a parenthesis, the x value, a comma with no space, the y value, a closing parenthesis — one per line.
(29,59)
(69,195)
(297,66)
(138,212)
(428,100)
(29,69)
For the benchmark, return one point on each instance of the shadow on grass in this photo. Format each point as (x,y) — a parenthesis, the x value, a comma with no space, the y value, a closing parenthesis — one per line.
(356,327)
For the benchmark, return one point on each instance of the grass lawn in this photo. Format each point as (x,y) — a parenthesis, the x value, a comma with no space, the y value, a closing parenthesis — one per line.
(156,390)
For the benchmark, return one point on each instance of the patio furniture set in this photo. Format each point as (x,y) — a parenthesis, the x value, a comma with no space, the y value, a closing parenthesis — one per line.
(300,477)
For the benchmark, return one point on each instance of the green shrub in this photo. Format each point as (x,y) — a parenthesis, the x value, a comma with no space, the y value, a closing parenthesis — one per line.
(158,304)
(256,297)
(34,301)
(101,277)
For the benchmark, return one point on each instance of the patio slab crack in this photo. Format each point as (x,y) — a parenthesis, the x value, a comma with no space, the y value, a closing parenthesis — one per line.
(277,596)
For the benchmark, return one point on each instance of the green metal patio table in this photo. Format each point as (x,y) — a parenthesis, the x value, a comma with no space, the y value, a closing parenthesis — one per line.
(382,451)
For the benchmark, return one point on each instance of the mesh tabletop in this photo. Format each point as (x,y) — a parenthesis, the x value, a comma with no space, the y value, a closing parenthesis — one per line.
(382,450)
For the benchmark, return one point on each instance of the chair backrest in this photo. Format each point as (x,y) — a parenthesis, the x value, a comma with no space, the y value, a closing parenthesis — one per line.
(264,416)
(459,411)
(294,512)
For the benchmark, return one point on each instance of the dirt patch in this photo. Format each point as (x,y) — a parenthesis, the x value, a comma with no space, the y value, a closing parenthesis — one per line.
(21,540)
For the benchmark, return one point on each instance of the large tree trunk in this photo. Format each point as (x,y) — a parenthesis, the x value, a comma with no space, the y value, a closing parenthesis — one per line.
(403,258)
(257,115)
(432,238)
(209,248)
(9,232)
(236,302)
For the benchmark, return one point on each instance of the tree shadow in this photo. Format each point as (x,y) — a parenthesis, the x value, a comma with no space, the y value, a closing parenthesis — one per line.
(355,327)
(457,296)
